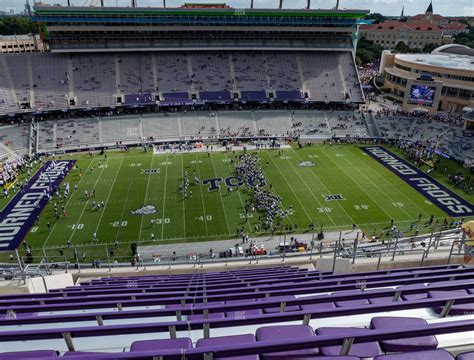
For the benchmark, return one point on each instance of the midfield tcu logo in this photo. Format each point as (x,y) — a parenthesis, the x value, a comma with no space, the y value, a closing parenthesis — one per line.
(450,202)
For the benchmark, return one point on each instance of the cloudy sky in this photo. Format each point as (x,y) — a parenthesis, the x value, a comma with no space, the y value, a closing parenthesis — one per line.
(386,7)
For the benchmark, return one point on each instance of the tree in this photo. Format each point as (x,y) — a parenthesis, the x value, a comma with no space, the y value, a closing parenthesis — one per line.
(402,48)
(429,48)
(465,38)
(17,25)
(367,51)
(376,18)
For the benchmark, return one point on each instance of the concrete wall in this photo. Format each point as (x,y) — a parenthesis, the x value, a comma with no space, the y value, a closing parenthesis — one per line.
(42,284)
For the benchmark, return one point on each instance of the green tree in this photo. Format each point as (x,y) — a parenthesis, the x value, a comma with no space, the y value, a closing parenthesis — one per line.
(17,25)
(429,48)
(465,38)
(402,48)
(376,18)
(367,51)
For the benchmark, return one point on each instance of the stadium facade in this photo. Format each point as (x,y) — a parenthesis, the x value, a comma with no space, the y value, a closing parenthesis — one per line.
(70,29)
(440,81)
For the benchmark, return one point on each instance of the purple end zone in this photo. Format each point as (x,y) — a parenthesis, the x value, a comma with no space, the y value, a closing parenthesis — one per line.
(438,194)
(21,212)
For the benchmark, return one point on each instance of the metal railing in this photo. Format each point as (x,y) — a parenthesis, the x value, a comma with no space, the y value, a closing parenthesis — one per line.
(419,248)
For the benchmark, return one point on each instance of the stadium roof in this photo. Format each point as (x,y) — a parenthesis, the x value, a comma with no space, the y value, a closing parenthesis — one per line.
(455,49)
(43,9)
(457,62)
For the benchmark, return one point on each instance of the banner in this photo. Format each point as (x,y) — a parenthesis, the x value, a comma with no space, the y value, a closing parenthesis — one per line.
(21,212)
(438,194)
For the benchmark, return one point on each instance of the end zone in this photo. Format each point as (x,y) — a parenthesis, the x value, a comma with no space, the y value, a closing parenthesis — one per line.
(20,213)
(437,193)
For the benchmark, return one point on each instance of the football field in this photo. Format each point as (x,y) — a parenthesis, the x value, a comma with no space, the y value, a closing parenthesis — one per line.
(333,186)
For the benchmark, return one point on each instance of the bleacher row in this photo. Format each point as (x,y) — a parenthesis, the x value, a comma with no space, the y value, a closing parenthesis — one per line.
(450,139)
(89,132)
(44,82)
(249,314)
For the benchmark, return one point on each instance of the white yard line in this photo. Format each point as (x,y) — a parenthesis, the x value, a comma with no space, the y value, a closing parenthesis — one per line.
(220,196)
(291,189)
(311,191)
(130,182)
(144,201)
(393,187)
(184,200)
(164,199)
(87,201)
(67,203)
(326,189)
(108,197)
(380,207)
(202,194)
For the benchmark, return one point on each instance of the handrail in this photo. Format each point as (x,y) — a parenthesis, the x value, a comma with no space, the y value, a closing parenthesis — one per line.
(72,302)
(262,347)
(205,308)
(172,327)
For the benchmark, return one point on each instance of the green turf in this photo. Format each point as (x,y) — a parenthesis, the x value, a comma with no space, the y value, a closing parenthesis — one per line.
(372,197)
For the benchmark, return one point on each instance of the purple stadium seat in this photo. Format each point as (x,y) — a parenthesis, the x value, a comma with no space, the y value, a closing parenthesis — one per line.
(465,356)
(273,310)
(383,300)
(210,316)
(178,306)
(162,344)
(210,303)
(346,303)
(455,309)
(418,355)
(28,354)
(339,357)
(411,344)
(286,332)
(226,340)
(77,353)
(18,316)
(318,307)
(370,349)
(242,313)
(419,296)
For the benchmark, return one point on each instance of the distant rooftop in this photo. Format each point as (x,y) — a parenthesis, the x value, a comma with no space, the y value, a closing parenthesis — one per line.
(449,61)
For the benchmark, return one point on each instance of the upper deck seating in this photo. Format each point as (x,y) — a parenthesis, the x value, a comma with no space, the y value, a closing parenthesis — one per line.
(48,82)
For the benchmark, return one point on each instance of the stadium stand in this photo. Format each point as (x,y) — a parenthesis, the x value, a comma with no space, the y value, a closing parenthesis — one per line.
(216,74)
(44,82)
(278,313)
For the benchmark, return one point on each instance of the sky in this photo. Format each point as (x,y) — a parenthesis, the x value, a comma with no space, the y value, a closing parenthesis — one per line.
(386,7)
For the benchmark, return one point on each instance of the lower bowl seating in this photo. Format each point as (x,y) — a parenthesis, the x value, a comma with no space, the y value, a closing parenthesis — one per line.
(235,339)
(162,344)
(403,345)
(418,355)
(361,350)
(272,333)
